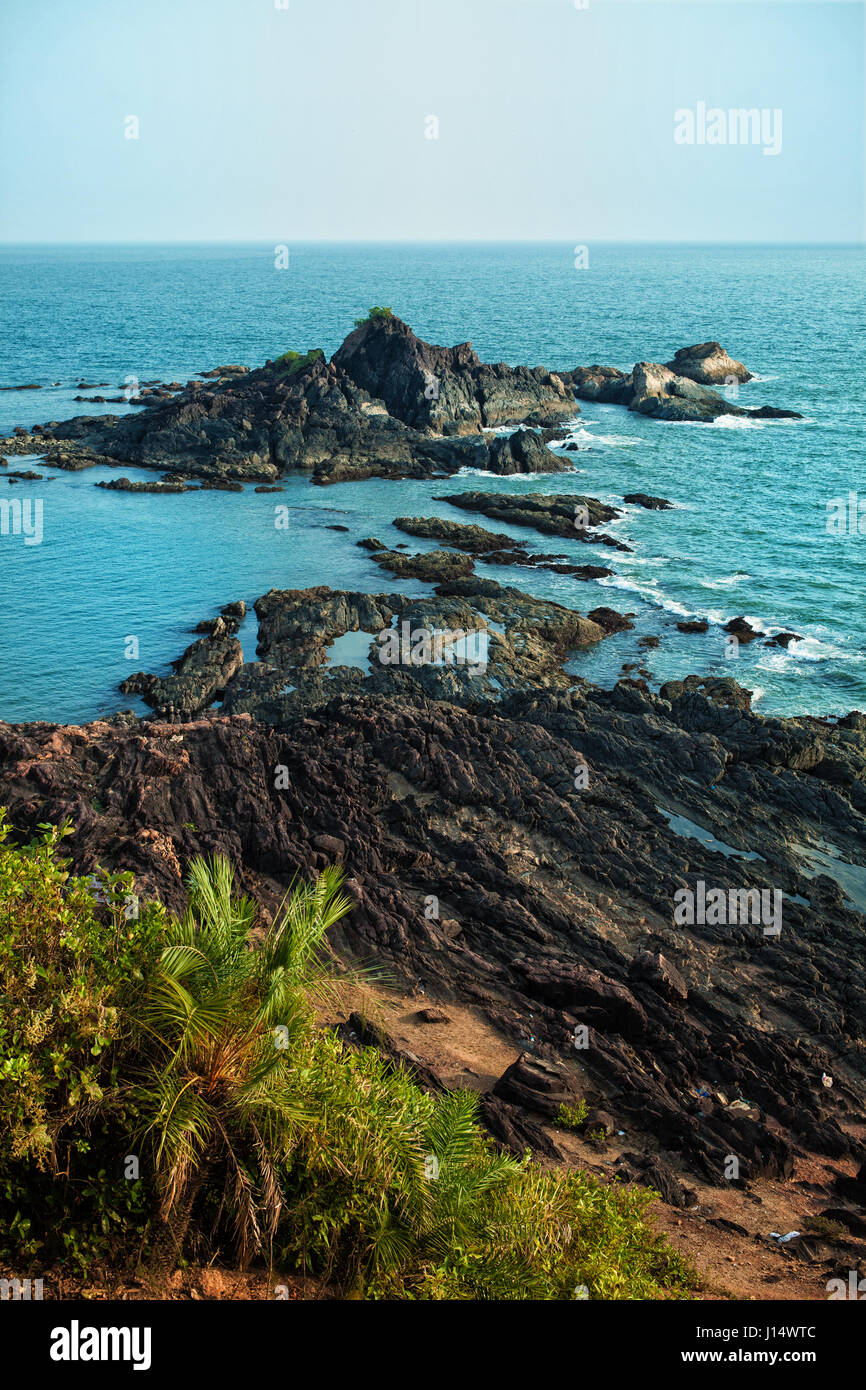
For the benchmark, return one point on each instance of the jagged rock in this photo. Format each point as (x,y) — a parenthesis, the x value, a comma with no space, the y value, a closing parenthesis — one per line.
(552,515)
(447,390)
(433,566)
(201,676)
(126,485)
(605,384)
(709,364)
(742,630)
(773,412)
(660,975)
(653,1172)
(535,1085)
(474,539)
(387,405)
(610,620)
(472,798)
(659,392)
(514,1131)
(523,452)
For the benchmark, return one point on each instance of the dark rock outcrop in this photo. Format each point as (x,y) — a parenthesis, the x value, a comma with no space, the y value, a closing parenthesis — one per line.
(567,515)
(708,1040)
(742,630)
(447,390)
(709,364)
(200,678)
(643,499)
(523,452)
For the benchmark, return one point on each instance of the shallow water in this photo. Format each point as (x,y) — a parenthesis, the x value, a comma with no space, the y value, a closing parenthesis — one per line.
(748,534)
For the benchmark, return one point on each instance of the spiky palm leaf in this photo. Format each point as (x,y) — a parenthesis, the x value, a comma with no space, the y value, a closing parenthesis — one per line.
(218,1095)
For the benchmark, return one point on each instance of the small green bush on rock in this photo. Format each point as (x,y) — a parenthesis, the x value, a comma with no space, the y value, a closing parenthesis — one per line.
(378,311)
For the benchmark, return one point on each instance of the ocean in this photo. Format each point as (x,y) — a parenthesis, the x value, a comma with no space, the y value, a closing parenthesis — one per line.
(748,533)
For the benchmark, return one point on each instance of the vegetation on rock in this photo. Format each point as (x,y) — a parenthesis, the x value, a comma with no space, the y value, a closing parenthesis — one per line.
(378,311)
(193,1047)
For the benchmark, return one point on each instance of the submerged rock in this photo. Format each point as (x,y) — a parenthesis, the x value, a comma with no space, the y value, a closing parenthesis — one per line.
(653,504)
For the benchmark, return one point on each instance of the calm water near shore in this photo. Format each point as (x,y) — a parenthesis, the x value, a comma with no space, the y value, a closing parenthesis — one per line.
(748,535)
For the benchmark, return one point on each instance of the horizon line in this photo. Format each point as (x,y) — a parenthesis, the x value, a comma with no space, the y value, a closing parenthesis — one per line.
(423,241)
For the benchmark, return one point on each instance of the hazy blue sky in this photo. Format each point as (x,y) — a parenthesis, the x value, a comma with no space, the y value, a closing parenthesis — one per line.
(280,125)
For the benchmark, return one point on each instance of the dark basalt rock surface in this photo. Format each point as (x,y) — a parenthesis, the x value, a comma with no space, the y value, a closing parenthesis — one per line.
(447,390)
(774,412)
(494,548)
(653,504)
(126,485)
(475,540)
(742,630)
(432,566)
(201,676)
(555,904)
(552,515)
(363,414)
(515,643)
(387,405)
(523,452)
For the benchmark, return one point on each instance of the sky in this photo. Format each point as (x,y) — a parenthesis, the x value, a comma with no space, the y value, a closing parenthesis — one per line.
(551,119)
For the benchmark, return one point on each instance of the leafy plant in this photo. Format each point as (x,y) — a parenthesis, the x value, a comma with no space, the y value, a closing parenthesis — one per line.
(378,311)
(219,1021)
(572,1116)
(71,963)
(291,362)
(260,1132)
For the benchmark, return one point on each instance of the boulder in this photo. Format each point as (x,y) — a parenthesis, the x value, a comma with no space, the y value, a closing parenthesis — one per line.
(709,364)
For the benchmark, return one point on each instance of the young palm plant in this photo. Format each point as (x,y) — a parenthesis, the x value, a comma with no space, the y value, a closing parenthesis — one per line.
(221,1022)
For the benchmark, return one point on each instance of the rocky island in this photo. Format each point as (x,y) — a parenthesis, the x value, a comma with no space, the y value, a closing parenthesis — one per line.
(386,405)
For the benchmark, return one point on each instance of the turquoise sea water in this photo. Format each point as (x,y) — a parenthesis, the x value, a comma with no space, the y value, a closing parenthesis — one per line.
(748,535)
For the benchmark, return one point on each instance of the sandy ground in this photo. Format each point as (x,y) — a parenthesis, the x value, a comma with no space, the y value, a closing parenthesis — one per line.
(738,1264)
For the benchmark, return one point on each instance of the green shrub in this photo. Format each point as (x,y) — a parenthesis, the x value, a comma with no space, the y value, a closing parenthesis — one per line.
(260,1135)
(72,960)
(572,1116)
(293,362)
(378,311)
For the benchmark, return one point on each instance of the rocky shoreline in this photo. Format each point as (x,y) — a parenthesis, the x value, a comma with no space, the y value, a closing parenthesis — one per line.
(554,893)
(516,841)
